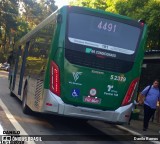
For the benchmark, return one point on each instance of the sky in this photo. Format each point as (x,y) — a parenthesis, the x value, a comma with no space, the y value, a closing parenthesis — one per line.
(60,3)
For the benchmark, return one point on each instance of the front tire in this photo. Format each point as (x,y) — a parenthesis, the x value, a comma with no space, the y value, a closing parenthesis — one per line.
(25,108)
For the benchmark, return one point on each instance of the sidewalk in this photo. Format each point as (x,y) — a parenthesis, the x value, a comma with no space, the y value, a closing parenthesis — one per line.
(136,128)
(153,129)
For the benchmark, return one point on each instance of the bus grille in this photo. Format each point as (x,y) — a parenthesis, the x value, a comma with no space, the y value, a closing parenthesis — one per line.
(92,61)
(38,93)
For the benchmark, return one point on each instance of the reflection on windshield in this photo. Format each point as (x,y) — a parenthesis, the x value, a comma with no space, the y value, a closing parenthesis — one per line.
(104,34)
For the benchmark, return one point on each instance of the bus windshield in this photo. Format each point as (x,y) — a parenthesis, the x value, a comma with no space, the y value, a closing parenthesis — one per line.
(102,34)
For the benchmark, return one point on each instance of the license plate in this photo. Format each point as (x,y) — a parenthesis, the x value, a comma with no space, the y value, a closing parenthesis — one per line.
(92,100)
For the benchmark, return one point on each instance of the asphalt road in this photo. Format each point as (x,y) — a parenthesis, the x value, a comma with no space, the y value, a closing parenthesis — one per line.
(52,128)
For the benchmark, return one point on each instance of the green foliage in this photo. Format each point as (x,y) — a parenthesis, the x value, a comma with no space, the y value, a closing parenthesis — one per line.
(97,4)
(152,16)
(35,12)
(147,10)
(16,21)
(8,12)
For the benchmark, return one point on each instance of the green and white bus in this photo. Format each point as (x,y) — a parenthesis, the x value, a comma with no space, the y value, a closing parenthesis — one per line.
(80,62)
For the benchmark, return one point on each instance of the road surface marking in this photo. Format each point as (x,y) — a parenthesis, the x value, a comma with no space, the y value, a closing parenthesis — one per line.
(14,121)
(1,130)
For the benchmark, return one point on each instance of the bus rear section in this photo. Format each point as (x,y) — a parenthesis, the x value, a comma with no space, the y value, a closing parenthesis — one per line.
(98,75)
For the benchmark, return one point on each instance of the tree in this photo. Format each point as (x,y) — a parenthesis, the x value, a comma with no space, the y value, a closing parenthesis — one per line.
(97,4)
(8,12)
(147,10)
(152,16)
(35,12)
(17,17)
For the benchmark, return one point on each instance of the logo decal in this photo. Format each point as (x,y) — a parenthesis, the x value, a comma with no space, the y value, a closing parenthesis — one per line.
(88,50)
(75,92)
(94,100)
(111,91)
(76,75)
(110,87)
(93,92)
(6,139)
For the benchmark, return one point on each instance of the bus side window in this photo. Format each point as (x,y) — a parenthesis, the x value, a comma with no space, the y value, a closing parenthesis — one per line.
(38,52)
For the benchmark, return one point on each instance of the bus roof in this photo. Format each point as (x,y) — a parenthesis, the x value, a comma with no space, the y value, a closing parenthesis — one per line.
(38,27)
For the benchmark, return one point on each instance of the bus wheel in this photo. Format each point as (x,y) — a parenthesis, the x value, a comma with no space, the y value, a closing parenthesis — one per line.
(25,108)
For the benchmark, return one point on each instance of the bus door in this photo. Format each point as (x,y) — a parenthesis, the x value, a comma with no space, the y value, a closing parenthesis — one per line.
(16,68)
(25,53)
